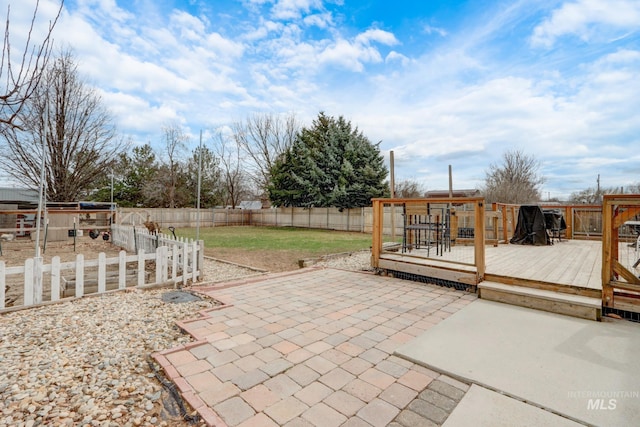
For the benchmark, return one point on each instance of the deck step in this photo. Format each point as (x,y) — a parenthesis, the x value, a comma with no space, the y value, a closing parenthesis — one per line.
(540,299)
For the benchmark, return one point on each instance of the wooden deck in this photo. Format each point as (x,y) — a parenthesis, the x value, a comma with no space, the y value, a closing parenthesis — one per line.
(575,277)
(563,278)
(574,263)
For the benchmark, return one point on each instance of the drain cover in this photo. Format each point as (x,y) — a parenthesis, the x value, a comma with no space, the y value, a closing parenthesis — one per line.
(179,296)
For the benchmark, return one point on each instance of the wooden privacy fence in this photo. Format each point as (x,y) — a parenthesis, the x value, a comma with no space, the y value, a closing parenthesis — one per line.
(356,219)
(167,264)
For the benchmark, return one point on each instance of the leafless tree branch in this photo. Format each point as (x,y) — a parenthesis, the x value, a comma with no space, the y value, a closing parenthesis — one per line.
(264,137)
(78,134)
(20,81)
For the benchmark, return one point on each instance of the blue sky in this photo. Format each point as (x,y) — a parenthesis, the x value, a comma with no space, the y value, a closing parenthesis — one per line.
(439,82)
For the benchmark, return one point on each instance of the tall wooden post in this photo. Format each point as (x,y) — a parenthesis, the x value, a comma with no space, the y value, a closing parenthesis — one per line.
(392,184)
(479,239)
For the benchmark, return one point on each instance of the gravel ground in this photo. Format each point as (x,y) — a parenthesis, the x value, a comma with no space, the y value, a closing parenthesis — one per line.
(356,261)
(86,362)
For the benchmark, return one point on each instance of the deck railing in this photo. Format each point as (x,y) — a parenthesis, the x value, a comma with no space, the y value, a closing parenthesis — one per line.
(435,230)
(620,281)
(583,221)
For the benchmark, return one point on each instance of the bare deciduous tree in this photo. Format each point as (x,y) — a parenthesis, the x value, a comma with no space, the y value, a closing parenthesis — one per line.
(634,188)
(409,188)
(233,175)
(19,81)
(516,180)
(264,137)
(175,141)
(66,116)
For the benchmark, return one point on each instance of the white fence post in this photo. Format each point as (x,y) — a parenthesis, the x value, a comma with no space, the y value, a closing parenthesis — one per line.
(194,261)
(55,278)
(165,264)
(161,264)
(185,265)
(102,273)
(79,275)
(37,280)
(28,281)
(200,258)
(2,284)
(174,262)
(122,270)
(141,268)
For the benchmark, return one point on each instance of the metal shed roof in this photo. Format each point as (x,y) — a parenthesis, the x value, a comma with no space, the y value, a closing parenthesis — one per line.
(18,195)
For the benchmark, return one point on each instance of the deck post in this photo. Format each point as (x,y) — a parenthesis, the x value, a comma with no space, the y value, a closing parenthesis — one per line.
(607,223)
(616,210)
(479,239)
(376,244)
(505,223)
(568,218)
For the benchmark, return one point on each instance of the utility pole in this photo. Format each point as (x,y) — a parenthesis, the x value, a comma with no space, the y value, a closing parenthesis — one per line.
(198,189)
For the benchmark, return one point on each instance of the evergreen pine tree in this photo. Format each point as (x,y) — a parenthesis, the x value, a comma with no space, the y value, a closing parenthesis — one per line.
(329,164)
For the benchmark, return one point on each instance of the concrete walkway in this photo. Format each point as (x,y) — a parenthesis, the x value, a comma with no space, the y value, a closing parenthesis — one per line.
(315,348)
(572,369)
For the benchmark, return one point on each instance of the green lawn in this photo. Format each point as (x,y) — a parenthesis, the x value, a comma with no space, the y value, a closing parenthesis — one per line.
(280,238)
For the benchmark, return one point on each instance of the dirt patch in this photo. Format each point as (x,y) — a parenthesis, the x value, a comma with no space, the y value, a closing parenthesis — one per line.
(15,252)
(273,261)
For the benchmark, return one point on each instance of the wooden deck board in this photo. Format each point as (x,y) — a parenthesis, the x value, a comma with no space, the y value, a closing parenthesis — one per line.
(566,263)
(570,262)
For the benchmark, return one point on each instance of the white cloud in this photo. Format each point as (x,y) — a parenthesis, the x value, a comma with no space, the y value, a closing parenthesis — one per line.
(587,19)
(226,48)
(349,55)
(320,20)
(103,9)
(135,114)
(375,35)
(187,26)
(429,29)
(353,55)
(294,9)
(394,56)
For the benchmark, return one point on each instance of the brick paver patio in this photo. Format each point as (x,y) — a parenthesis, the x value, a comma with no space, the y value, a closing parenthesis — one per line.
(315,348)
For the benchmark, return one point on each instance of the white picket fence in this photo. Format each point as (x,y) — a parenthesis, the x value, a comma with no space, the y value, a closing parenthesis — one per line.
(134,238)
(174,263)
